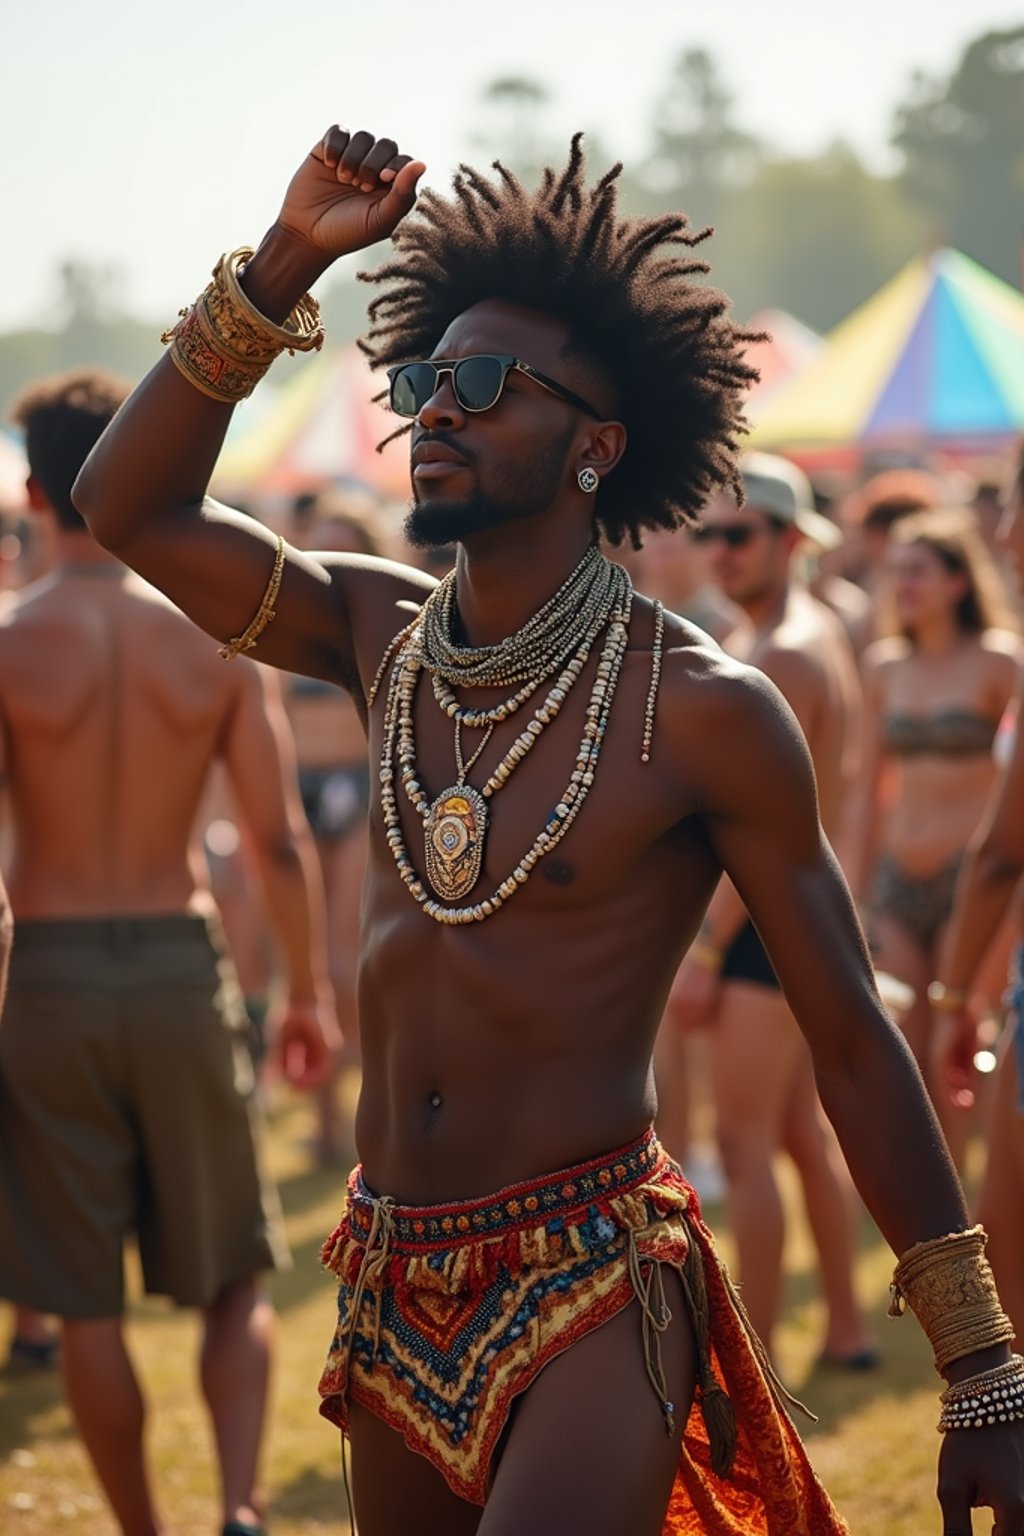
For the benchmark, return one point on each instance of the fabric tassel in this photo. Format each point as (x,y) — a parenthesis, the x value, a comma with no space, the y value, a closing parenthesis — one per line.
(715,1407)
(720,1422)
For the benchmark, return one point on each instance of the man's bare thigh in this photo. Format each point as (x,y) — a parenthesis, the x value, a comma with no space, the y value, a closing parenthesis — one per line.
(396,1490)
(586,1447)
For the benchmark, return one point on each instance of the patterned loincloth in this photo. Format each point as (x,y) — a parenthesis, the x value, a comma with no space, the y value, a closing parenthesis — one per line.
(447,1313)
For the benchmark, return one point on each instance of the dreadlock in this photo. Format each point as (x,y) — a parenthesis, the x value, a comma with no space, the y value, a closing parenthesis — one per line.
(628,299)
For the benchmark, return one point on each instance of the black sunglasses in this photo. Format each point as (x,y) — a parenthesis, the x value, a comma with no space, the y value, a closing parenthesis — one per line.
(732,535)
(477,383)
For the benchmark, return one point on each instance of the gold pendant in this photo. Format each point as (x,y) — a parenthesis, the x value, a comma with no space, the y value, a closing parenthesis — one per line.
(454,833)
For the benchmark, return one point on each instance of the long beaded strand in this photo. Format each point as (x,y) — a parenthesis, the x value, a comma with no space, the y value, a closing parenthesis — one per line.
(408,664)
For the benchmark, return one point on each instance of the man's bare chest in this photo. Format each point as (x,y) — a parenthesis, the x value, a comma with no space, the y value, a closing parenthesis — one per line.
(624,807)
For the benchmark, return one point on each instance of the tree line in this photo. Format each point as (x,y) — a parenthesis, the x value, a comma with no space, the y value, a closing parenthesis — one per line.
(812,234)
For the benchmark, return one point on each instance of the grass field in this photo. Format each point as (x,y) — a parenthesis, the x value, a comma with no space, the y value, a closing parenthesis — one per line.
(874,1445)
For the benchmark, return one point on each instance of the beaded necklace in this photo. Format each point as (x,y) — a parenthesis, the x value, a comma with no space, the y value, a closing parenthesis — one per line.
(558,639)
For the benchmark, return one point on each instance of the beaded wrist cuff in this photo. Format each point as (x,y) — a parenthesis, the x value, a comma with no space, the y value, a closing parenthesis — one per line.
(993,1397)
(948,1283)
(224,346)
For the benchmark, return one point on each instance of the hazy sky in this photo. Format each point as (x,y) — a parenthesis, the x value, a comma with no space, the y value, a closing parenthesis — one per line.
(157,135)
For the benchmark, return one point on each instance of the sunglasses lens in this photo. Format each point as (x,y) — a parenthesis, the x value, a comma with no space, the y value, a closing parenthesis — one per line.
(732,535)
(411,388)
(735,538)
(478,382)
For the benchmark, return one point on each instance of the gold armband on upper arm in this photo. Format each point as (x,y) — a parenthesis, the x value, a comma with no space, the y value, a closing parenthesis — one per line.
(265,613)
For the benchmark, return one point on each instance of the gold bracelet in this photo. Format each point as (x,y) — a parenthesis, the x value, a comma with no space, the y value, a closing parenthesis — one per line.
(705,955)
(946,999)
(264,614)
(948,1283)
(223,346)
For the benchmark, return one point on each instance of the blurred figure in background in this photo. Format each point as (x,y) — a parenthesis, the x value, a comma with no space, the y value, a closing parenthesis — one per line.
(34,1344)
(989,880)
(869,515)
(765,1097)
(127,1100)
(935,692)
(987,504)
(828,582)
(334,779)
(674,567)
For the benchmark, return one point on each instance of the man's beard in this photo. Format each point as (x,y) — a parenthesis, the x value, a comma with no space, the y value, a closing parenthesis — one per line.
(526,492)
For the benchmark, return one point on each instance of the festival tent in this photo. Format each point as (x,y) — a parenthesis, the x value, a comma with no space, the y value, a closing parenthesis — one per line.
(787,350)
(321,425)
(935,358)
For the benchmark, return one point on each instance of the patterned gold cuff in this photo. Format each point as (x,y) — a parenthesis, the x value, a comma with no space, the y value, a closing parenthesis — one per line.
(948,1283)
(223,345)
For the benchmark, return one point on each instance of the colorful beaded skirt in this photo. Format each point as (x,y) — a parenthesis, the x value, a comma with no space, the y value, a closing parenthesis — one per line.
(447,1313)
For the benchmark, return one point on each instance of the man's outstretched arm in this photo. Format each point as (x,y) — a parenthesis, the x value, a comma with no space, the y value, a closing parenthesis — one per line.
(760,807)
(143,489)
(756,783)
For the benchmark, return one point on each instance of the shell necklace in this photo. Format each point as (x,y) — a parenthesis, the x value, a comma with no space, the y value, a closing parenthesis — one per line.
(557,641)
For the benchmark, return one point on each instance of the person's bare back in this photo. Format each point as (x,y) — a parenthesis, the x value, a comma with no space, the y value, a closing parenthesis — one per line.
(113,705)
(807,649)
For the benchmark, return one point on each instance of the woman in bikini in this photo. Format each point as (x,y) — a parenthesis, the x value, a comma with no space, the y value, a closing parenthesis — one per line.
(935,691)
(988,888)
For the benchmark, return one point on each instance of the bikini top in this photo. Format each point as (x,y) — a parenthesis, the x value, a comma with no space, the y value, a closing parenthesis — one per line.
(948,733)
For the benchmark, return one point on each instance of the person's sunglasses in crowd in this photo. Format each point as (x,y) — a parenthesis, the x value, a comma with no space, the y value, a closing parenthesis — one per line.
(732,535)
(477,383)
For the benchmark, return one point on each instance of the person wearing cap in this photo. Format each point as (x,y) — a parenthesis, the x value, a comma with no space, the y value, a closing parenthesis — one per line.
(762,1078)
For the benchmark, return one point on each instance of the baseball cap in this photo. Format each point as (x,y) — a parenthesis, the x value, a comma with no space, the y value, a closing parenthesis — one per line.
(782,490)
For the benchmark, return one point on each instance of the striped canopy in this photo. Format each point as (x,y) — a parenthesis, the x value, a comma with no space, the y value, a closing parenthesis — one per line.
(320,425)
(935,357)
(789,348)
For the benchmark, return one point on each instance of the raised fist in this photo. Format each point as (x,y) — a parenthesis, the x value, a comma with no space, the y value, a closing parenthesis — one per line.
(351,191)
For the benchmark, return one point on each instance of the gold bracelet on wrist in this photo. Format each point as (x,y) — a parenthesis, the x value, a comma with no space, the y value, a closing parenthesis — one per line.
(265,613)
(946,999)
(223,346)
(948,1284)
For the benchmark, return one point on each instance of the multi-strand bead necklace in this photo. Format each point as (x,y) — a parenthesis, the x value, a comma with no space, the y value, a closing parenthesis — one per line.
(555,643)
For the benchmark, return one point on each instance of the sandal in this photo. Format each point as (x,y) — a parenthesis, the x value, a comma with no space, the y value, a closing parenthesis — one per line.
(33,1354)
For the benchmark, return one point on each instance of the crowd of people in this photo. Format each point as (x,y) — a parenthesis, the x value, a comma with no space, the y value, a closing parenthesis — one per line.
(187,860)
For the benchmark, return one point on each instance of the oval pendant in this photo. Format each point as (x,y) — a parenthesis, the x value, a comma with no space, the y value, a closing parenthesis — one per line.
(453,836)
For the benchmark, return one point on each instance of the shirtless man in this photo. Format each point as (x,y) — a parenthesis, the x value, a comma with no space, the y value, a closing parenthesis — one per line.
(559,370)
(126,1089)
(761,1069)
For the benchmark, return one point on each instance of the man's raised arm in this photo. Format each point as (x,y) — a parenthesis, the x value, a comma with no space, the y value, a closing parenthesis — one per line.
(143,489)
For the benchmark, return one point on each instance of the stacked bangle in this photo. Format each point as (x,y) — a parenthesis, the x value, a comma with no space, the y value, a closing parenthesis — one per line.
(949,1285)
(224,346)
(993,1397)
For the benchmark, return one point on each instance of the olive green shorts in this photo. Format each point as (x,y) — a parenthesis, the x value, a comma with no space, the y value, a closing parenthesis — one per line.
(128,1107)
